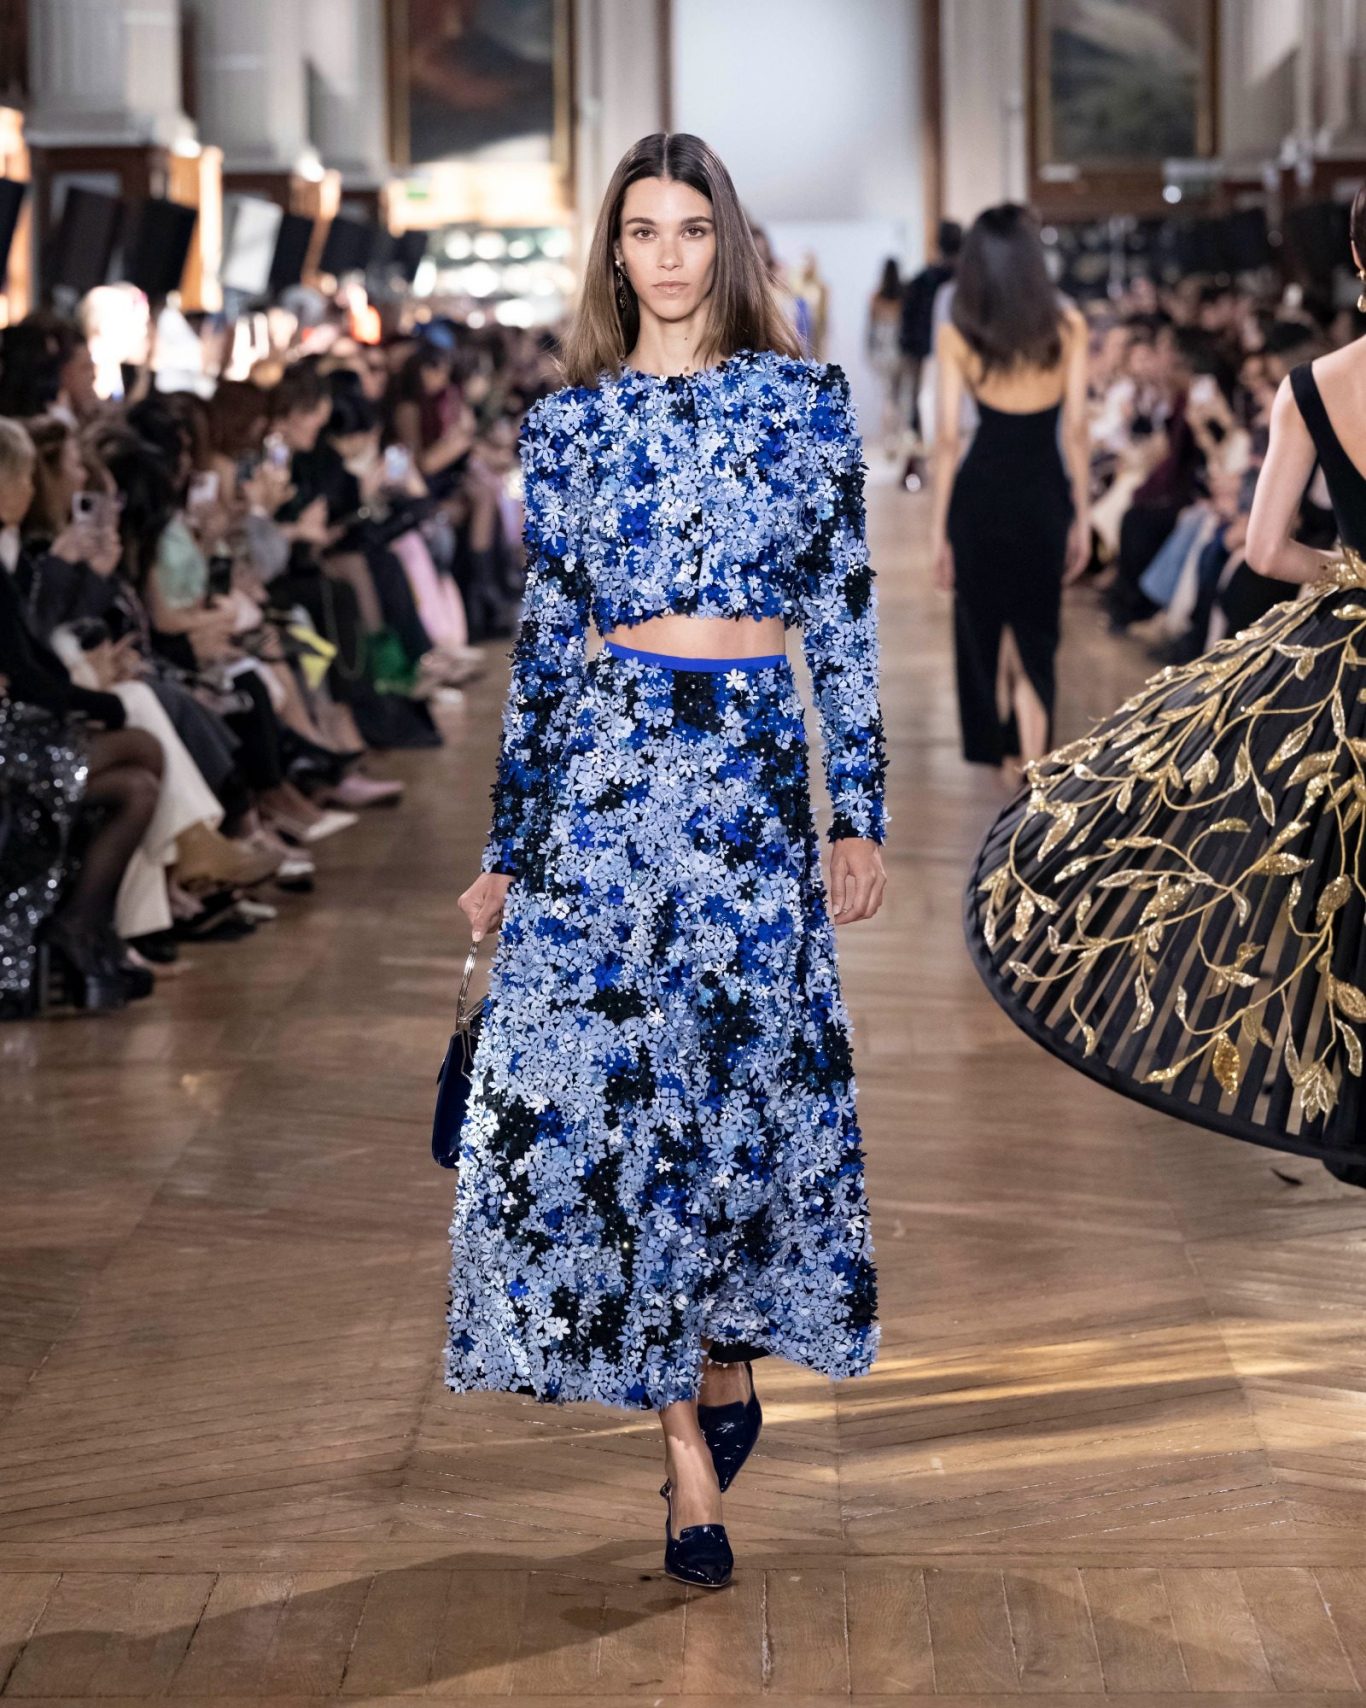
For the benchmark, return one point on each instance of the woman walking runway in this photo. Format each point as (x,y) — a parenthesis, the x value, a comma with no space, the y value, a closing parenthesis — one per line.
(661,1156)
(1010,524)
(1176,905)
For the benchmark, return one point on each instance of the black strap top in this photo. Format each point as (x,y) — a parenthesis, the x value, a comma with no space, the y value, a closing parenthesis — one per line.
(1346,483)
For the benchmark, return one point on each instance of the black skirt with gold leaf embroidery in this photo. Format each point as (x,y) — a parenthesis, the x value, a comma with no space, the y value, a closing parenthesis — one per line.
(1175,905)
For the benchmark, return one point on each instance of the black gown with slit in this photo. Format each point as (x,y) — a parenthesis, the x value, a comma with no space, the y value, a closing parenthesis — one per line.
(1009,516)
(1175,904)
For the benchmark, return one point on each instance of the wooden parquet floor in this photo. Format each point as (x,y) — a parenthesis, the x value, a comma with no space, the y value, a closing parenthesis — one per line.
(1112,1450)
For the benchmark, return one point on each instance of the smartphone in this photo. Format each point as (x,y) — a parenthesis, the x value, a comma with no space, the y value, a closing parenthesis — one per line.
(90,632)
(220,575)
(398,462)
(1204,388)
(85,507)
(277,451)
(203,490)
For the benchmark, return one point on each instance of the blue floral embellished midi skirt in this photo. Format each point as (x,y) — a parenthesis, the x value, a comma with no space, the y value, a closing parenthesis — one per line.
(662,1146)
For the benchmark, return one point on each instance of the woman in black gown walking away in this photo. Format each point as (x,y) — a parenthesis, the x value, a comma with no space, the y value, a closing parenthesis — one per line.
(1011,524)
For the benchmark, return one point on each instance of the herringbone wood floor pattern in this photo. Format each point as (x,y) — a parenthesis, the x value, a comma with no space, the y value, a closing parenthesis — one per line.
(1111,1451)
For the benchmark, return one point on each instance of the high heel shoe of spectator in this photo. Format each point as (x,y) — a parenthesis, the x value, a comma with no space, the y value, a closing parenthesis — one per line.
(138,978)
(309,765)
(463,664)
(159,948)
(207,859)
(329,822)
(445,672)
(296,871)
(76,966)
(358,791)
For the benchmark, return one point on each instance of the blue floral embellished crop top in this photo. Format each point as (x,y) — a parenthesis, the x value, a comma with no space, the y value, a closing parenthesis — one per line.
(736,491)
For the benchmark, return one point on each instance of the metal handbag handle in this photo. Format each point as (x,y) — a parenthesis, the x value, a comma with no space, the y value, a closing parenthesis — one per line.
(461,1017)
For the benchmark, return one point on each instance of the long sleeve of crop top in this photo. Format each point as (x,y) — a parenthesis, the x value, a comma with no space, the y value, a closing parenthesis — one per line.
(548,656)
(839,616)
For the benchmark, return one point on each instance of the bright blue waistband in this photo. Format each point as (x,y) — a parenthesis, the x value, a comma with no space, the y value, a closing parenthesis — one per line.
(670,662)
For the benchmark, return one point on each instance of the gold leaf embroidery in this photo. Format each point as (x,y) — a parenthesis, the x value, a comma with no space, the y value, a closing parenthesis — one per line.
(1290,746)
(1166,901)
(1227,1063)
(1058,830)
(1282,865)
(1165,742)
(1311,765)
(1333,897)
(1267,805)
(1204,771)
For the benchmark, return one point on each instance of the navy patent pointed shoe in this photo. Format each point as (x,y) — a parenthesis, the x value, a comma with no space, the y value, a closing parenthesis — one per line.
(699,1554)
(731,1431)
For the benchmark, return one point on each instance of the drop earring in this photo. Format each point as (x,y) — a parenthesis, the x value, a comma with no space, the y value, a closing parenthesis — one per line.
(1361,300)
(623,295)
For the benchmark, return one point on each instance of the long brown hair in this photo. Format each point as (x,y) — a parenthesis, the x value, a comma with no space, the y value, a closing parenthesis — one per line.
(744,311)
(1004,303)
(50,510)
(1356,223)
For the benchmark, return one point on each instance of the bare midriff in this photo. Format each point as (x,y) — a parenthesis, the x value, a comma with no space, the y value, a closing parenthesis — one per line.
(704,637)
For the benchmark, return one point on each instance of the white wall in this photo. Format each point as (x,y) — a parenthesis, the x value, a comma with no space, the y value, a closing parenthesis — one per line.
(815,108)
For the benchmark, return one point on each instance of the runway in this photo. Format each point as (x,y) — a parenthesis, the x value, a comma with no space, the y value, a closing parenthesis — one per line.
(1111,1451)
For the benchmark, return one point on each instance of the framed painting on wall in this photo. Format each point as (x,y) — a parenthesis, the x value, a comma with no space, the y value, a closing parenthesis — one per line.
(1117,87)
(479,81)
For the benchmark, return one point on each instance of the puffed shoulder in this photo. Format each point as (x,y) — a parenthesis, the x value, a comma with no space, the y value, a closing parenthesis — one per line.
(556,410)
(823,379)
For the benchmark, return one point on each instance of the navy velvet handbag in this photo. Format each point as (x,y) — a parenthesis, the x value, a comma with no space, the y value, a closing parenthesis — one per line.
(453,1081)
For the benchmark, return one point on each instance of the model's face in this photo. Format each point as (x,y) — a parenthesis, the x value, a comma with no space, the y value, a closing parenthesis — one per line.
(667,246)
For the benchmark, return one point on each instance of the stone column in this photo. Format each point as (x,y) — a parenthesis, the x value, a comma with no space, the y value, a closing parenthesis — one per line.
(621,53)
(346,50)
(1340,51)
(983,55)
(250,72)
(105,73)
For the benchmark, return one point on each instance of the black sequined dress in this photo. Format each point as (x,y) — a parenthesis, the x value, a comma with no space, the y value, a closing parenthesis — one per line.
(43,773)
(1176,903)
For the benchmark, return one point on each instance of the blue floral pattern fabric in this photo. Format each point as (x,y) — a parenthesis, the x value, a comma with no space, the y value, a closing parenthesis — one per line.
(662,1144)
(733,492)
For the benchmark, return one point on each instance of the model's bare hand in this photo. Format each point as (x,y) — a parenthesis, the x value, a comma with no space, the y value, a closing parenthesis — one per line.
(1078,550)
(943,567)
(857,879)
(483,901)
